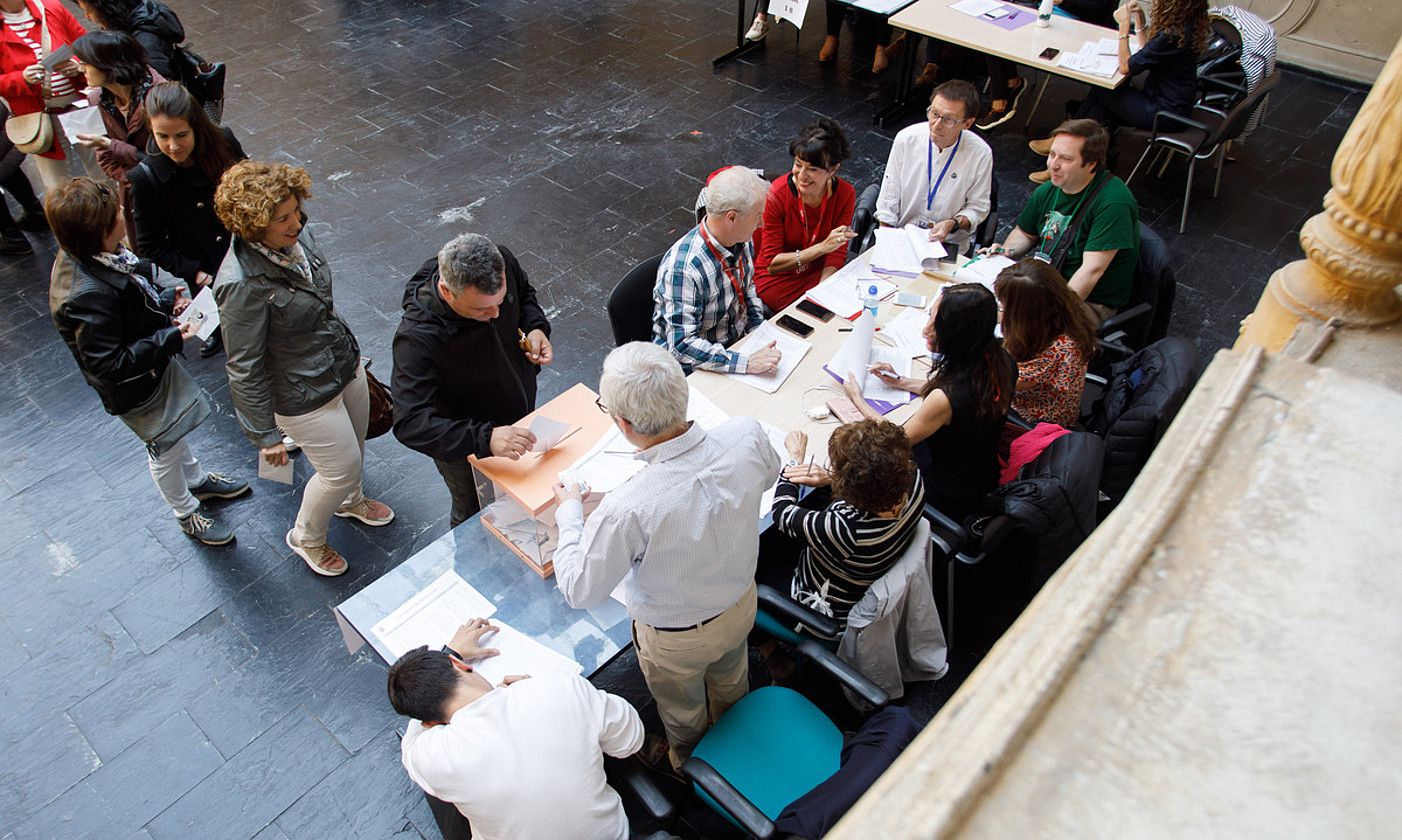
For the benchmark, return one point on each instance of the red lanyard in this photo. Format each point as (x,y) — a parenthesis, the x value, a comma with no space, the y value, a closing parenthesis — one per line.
(808,240)
(715,252)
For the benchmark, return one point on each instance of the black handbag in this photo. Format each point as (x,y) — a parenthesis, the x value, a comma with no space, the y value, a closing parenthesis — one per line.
(203,79)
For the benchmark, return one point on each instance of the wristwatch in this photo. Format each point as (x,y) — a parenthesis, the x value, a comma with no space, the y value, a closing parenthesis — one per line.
(452,653)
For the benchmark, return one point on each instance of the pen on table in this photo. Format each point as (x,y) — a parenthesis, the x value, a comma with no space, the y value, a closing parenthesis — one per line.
(844,329)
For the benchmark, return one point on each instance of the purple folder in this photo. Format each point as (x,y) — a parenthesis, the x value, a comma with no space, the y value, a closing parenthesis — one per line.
(880,406)
(1016,18)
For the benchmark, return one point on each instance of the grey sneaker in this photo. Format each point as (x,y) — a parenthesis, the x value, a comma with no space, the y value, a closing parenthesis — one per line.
(206,529)
(216,486)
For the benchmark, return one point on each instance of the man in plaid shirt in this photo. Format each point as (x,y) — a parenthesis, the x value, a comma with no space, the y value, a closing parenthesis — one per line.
(705,296)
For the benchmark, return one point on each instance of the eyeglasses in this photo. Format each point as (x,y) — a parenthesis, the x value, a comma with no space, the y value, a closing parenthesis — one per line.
(599,401)
(945,120)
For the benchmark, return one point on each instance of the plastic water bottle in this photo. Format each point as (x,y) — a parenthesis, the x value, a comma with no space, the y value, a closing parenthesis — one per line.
(1044,13)
(870,301)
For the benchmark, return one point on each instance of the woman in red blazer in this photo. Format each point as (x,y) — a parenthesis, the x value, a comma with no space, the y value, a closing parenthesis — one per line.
(807,217)
(22,77)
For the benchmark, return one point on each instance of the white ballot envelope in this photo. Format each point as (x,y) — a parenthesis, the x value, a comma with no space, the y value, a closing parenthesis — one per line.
(82,121)
(203,311)
(548,432)
(282,474)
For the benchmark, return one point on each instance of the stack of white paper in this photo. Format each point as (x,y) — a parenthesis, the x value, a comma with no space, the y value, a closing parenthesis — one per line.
(838,295)
(857,354)
(519,654)
(906,332)
(982,270)
(791,349)
(433,615)
(903,250)
(1090,60)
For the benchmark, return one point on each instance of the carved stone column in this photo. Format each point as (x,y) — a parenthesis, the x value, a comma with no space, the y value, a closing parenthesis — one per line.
(1353,250)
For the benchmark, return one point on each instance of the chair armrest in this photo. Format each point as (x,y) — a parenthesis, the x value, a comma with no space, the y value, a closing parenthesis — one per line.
(852,679)
(1182,122)
(1222,83)
(1017,422)
(997,530)
(775,603)
(637,782)
(936,518)
(1124,316)
(732,801)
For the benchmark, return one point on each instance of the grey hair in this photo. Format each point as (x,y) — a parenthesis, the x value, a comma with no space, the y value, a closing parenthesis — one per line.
(738,188)
(643,383)
(471,259)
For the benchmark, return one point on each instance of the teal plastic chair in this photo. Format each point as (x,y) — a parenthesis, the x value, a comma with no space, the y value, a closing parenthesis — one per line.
(775,745)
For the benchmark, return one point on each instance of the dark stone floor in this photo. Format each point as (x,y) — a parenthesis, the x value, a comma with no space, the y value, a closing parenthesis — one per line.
(154,689)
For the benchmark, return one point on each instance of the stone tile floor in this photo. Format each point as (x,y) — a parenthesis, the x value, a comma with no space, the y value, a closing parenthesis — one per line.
(155,689)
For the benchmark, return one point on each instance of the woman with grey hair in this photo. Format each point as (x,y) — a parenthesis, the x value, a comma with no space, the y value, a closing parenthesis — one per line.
(292,360)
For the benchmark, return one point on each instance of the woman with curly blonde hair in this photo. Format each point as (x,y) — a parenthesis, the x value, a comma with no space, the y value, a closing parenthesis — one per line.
(292,360)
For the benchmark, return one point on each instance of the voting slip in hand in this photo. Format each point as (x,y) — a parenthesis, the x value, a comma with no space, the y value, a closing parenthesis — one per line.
(202,311)
(548,432)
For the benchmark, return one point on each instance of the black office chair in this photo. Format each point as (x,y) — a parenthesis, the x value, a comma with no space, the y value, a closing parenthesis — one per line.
(1144,319)
(988,228)
(1140,399)
(630,303)
(864,222)
(1034,523)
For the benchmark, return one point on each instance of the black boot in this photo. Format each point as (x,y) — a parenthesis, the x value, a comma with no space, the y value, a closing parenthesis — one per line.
(18,186)
(33,218)
(13,244)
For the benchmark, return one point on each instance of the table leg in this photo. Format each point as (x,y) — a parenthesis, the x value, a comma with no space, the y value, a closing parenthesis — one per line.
(741,47)
(903,82)
(1042,89)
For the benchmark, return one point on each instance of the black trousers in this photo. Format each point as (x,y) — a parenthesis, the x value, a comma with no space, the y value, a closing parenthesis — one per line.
(458,476)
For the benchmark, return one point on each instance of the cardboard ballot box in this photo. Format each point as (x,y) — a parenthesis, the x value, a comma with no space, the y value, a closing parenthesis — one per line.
(518,497)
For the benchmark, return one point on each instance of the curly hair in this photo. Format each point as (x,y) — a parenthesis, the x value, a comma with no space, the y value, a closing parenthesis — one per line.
(1185,20)
(872,464)
(250,192)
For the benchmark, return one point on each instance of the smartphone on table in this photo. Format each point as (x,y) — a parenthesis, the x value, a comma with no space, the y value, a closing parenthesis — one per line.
(794,326)
(808,307)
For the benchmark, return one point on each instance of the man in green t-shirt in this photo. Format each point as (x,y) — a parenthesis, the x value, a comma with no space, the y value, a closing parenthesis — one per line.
(1099,264)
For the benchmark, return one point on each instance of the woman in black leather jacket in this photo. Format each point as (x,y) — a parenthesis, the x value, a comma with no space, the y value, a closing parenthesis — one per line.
(120,328)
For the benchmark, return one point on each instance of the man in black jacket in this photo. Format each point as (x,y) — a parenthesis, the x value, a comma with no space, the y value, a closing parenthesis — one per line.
(466,354)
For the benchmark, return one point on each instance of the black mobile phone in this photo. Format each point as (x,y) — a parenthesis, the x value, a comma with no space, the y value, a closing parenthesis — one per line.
(1049,53)
(809,307)
(794,326)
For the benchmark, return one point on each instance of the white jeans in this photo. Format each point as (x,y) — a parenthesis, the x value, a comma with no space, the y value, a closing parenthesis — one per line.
(175,471)
(333,437)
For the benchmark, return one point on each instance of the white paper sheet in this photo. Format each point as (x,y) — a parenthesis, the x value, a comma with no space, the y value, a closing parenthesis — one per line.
(876,388)
(982,270)
(792,11)
(548,432)
(906,332)
(791,350)
(901,250)
(974,8)
(703,412)
(519,654)
(82,121)
(837,294)
(857,354)
(433,615)
(282,474)
(203,311)
(1091,62)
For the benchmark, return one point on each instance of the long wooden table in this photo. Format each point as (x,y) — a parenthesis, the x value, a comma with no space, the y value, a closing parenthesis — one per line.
(785,407)
(1024,46)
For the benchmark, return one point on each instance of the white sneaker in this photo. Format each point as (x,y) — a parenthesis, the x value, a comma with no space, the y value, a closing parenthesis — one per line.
(758,29)
(289,444)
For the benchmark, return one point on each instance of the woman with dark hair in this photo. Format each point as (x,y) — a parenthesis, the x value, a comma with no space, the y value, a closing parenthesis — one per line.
(1167,60)
(152,24)
(1050,335)
(293,362)
(807,217)
(120,329)
(877,499)
(957,426)
(172,191)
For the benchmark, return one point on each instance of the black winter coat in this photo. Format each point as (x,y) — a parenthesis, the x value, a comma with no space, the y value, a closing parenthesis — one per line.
(155,26)
(456,379)
(173,213)
(120,337)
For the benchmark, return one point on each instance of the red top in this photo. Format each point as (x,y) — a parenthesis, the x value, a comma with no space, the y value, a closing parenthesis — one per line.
(15,55)
(783,233)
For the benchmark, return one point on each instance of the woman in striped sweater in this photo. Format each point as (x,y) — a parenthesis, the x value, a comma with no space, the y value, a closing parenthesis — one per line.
(877,500)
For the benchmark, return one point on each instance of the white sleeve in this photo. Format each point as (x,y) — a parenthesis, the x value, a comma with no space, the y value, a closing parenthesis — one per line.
(888,201)
(976,200)
(621,733)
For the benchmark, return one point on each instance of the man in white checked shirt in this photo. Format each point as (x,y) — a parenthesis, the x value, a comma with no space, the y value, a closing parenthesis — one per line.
(687,526)
(705,297)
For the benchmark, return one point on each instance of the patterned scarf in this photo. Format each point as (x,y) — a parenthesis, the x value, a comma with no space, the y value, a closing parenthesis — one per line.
(126,262)
(292,258)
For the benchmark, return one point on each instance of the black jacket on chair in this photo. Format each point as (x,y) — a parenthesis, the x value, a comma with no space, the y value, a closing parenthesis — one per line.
(1053,500)
(456,379)
(173,210)
(120,337)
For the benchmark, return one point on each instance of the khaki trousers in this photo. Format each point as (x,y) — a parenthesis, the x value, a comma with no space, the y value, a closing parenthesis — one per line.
(695,675)
(333,438)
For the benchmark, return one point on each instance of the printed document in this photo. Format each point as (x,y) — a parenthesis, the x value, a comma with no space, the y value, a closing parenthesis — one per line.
(202,311)
(902,250)
(519,654)
(791,348)
(432,616)
(857,354)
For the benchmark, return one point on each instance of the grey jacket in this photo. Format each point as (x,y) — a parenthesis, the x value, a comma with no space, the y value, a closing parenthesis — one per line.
(288,350)
(893,634)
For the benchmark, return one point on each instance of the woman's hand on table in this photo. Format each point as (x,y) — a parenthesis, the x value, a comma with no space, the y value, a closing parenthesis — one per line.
(809,475)
(797,444)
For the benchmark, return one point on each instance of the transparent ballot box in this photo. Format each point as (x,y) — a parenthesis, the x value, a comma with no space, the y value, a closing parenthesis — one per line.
(518,497)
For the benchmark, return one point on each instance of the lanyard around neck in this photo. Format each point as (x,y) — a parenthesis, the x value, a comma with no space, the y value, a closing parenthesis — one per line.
(720,258)
(930,169)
